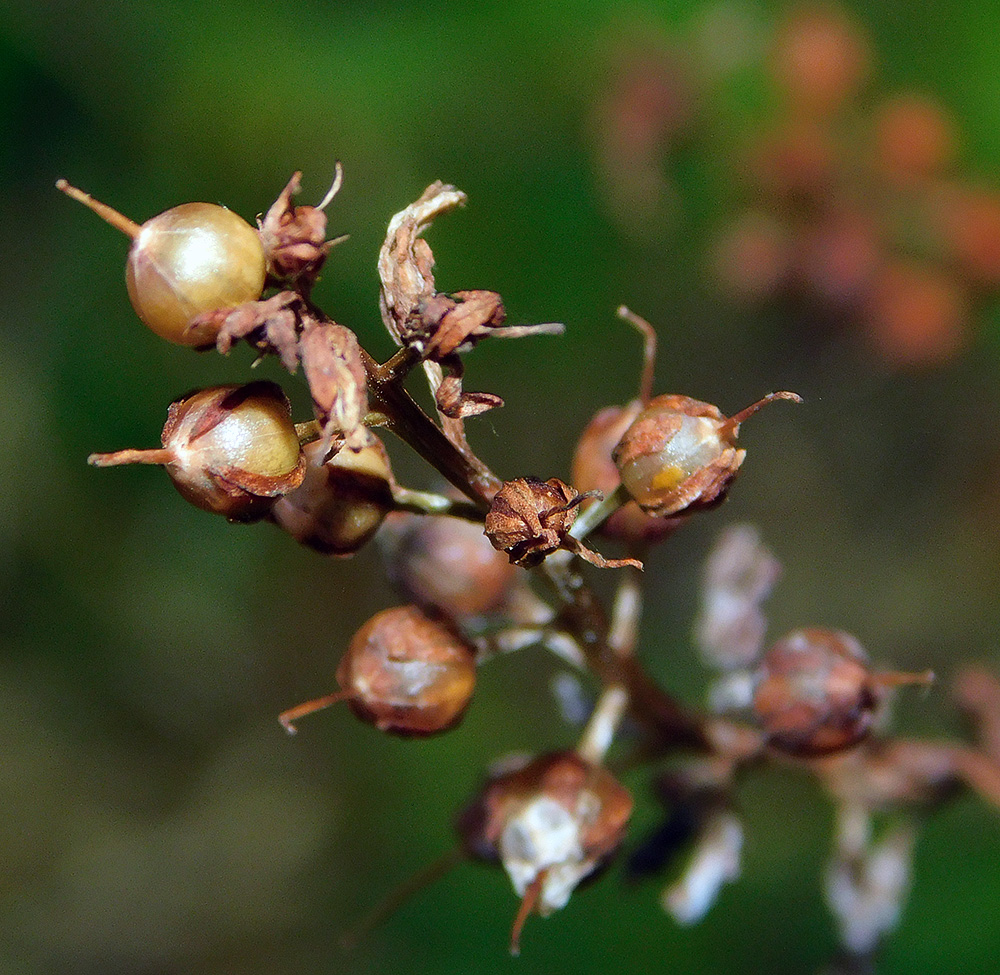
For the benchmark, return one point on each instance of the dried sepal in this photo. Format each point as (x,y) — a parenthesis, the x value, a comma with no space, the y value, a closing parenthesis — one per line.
(294,237)
(331,361)
(530,519)
(454,323)
(270,325)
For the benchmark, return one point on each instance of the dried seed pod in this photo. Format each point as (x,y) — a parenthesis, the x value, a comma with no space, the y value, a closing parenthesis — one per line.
(816,694)
(594,470)
(680,454)
(529,519)
(406,672)
(232,450)
(189,260)
(340,504)
(552,824)
(447,563)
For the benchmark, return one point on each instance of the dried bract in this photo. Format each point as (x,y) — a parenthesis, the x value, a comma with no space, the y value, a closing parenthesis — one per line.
(331,361)
(405,262)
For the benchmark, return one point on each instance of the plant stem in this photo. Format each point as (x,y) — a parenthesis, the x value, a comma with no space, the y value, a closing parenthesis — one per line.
(461,468)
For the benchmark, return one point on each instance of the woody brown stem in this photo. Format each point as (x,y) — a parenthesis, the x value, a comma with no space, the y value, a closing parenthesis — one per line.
(461,467)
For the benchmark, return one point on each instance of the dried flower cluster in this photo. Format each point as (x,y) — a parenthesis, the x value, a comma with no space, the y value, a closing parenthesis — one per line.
(498,564)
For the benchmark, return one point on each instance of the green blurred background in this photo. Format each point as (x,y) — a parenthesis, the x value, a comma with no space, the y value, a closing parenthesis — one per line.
(155,819)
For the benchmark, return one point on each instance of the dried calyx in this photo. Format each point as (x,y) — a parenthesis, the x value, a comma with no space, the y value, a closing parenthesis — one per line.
(294,237)
(232,450)
(405,671)
(530,519)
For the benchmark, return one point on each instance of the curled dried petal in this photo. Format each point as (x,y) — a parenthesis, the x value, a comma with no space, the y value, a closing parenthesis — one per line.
(405,261)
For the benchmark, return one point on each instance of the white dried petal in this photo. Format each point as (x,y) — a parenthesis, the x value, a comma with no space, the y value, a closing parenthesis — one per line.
(739,575)
(732,692)
(866,893)
(716,861)
(544,835)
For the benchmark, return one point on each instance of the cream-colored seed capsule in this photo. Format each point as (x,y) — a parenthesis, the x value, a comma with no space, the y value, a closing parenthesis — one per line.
(187,261)
(193,258)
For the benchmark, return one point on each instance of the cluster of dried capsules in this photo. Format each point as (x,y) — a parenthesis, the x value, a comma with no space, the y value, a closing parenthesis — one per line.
(200,276)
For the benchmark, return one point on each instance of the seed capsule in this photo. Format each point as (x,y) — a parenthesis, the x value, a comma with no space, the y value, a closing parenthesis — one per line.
(340,504)
(405,672)
(552,823)
(680,454)
(594,470)
(447,563)
(232,450)
(816,693)
(189,260)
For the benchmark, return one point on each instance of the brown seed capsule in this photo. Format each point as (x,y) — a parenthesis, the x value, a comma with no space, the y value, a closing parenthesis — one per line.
(340,504)
(594,470)
(914,138)
(405,672)
(447,563)
(189,260)
(552,823)
(816,694)
(232,450)
(530,519)
(680,454)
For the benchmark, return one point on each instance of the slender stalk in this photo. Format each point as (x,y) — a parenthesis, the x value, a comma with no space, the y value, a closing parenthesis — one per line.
(583,615)
(428,503)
